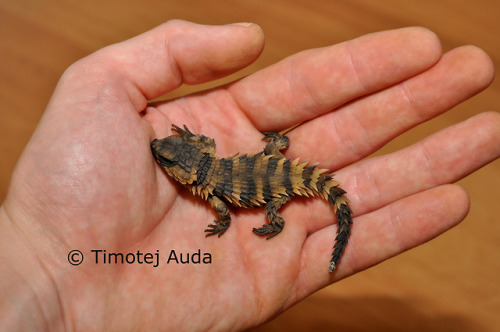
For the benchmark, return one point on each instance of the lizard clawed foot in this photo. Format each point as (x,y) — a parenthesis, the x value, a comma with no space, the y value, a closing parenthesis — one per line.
(275,143)
(270,135)
(217,228)
(276,138)
(273,229)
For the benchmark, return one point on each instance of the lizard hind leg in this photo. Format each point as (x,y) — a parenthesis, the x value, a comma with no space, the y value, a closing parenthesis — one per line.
(220,226)
(276,222)
(275,143)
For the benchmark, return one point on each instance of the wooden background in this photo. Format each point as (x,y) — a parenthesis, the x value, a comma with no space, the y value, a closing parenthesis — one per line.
(451,283)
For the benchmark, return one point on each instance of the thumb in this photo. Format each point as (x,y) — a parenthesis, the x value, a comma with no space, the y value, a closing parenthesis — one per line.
(163,58)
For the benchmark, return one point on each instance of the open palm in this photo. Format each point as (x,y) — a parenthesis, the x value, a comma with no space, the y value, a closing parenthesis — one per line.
(88,181)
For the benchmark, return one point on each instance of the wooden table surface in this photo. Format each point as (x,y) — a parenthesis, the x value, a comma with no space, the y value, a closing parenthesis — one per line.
(451,283)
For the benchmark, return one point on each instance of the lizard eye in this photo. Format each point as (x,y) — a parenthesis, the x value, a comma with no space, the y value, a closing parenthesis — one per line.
(164,152)
(165,162)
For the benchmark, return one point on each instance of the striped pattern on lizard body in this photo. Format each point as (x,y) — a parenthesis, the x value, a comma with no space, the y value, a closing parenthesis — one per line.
(263,179)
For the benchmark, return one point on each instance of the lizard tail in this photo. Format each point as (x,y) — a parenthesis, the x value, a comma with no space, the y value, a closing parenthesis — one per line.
(335,196)
(308,180)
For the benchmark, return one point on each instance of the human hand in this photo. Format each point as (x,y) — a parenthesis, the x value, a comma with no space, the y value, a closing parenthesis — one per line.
(87,179)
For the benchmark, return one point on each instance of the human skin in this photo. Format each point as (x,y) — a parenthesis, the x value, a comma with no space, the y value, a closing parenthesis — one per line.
(87,178)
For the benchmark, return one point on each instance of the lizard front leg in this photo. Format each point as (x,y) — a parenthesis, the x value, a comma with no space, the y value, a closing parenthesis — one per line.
(204,143)
(276,222)
(221,225)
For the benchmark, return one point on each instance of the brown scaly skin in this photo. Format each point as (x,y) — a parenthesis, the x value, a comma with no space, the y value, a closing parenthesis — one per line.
(263,179)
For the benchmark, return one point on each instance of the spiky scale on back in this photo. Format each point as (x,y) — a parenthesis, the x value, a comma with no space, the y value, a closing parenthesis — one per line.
(262,179)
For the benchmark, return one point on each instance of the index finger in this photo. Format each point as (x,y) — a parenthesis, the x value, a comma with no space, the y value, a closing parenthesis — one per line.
(314,82)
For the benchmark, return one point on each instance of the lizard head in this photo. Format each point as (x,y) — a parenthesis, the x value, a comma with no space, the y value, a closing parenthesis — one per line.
(175,155)
(166,151)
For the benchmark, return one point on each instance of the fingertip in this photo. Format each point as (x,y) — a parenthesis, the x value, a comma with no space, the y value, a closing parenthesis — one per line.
(252,40)
(459,201)
(483,67)
(427,41)
(491,120)
(407,51)
(485,128)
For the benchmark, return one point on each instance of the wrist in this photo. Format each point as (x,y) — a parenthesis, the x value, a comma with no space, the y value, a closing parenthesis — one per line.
(28,295)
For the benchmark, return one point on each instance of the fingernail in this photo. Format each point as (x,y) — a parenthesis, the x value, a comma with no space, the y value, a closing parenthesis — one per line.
(244,24)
